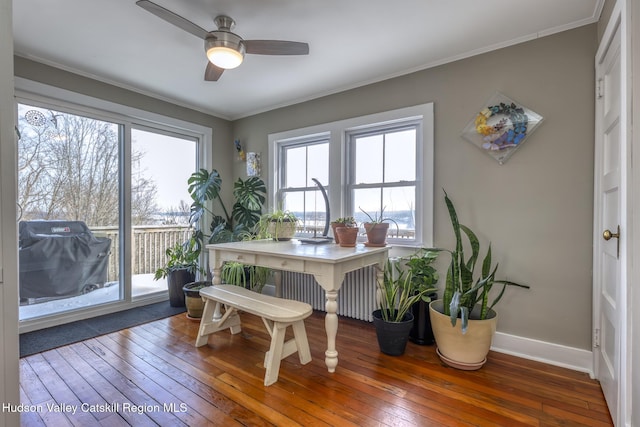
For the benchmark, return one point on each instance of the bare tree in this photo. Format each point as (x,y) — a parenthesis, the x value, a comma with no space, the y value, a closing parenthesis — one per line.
(68,168)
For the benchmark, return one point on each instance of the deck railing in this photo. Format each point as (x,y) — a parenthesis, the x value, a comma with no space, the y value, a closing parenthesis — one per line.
(149,246)
(151,242)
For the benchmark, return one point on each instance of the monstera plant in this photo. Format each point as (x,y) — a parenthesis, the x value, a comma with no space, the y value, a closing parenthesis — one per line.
(226,226)
(241,223)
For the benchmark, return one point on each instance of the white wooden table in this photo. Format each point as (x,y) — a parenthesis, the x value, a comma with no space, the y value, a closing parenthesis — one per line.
(328,264)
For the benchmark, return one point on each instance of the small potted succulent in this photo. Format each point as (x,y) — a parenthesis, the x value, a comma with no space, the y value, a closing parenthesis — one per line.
(377,228)
(347,234)
(347,221)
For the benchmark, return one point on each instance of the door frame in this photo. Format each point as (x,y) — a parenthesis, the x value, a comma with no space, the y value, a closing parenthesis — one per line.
(632,398)
(9,351)
(620,17)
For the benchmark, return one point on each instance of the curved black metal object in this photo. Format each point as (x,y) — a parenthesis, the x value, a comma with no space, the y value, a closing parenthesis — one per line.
(325,233)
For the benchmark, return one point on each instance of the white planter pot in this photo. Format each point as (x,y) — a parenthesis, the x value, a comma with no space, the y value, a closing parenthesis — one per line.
(280,231)
(463,351)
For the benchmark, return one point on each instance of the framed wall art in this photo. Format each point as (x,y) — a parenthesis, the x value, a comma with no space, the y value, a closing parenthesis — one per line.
(501,127)
(254,164)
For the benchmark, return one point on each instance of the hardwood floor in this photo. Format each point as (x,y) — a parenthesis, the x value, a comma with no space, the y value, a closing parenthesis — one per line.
(153,375)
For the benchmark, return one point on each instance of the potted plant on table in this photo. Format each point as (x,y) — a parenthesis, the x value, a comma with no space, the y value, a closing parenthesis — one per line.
(348,221)
(180,268)
(377,228)
(463,321)
(279,225)
(394,320)
(347,234)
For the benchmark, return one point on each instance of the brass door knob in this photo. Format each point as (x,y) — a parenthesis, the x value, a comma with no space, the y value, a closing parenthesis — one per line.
(607,234)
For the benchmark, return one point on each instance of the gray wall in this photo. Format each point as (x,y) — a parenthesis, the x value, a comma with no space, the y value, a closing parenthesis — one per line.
(605,16)
(537,208)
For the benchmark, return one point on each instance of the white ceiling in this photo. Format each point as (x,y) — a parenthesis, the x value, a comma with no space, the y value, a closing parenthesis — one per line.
(352,43)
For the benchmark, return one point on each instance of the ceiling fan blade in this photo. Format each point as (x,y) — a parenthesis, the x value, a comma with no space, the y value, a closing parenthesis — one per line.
(276,47)
(172,18)
(212,73)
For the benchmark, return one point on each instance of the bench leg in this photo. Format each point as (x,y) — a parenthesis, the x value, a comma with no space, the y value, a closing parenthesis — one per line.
(208,324)
(280,349)
(302,344)
(274,355)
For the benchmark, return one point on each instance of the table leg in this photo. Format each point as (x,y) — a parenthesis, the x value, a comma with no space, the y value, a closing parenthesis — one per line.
(217,280)
(331,327)
(277,281)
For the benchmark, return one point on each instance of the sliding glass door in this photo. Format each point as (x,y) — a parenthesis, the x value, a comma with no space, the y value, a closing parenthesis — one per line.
(100,200)
(69,211)
(160,202)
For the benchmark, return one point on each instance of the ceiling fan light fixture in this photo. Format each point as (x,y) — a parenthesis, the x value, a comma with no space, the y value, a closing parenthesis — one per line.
(225,50)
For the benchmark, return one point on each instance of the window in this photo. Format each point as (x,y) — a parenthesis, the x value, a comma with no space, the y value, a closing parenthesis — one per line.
(381,164)
(383,177)
(304,163)
(106,165)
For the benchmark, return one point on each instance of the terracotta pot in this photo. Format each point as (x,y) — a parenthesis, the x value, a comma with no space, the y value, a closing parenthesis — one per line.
(334,226)
(347,236)
(376,233)
(463,351)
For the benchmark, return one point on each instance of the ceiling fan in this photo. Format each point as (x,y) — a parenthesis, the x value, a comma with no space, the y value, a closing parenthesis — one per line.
(225,50)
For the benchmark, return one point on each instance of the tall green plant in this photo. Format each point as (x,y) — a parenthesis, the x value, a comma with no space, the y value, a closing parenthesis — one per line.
(181,256)
(250,195)
(462,292)
(423,274)
(398,292)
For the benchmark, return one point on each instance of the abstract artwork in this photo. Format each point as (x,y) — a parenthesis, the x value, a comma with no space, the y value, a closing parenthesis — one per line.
(501,127)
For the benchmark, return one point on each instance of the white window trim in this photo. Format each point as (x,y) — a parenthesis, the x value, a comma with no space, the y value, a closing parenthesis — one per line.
(338,157)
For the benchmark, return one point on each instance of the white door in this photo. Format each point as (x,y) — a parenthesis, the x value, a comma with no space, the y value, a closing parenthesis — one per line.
(610,219)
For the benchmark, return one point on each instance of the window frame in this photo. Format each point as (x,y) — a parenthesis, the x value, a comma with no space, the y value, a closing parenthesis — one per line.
(337,188)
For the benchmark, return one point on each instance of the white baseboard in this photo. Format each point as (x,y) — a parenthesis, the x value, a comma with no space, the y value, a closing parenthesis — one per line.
(527,348)
(541,351)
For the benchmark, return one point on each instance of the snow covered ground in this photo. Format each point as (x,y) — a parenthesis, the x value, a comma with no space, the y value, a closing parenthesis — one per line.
(142,284)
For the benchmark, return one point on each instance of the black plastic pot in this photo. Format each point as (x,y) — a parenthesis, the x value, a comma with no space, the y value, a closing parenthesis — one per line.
(176,279)
(392,336)
(421,332)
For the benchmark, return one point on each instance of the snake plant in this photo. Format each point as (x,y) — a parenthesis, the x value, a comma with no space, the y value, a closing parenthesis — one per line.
(462,292)
(398,292)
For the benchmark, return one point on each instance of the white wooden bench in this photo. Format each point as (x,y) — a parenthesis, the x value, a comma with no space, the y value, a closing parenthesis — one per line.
(276,313)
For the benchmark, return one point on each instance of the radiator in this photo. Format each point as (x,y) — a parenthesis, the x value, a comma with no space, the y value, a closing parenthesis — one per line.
(356,299)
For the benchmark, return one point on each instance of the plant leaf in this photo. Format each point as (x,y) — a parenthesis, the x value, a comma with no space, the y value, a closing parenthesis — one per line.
(464,317)
(454,308)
